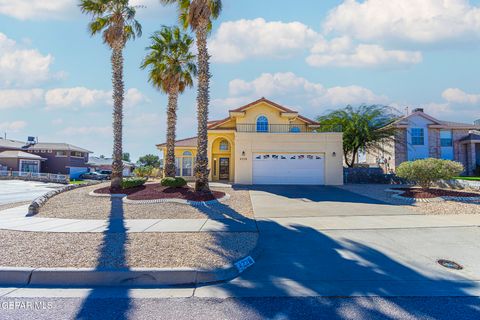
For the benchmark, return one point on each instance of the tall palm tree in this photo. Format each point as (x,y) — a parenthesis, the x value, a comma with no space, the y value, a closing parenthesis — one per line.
(115,19)
(172,68)
(198,15)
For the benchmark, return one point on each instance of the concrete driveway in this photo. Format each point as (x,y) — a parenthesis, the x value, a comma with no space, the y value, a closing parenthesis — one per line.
(317,201)
(12,191)
(324,241)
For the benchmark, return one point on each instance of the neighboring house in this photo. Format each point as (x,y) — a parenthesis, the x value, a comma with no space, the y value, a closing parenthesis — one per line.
(58,158)
(421,136)
(16,160)
(99,163)
(266,143)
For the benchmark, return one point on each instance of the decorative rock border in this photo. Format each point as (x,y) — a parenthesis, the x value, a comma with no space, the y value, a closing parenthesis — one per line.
(397,195)
(39,202)
(174,200)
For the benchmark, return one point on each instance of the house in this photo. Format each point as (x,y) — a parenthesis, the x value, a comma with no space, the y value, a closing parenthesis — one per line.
(266,143)
(16,160)
(58,158)
(421,136)
(102,163)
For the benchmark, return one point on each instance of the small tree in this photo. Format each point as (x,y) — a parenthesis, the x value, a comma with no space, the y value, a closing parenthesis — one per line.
(364,128)
(126,157)
(428,171)
(149,160)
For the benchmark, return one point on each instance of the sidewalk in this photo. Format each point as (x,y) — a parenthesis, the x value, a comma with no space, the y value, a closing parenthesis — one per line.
(15,219)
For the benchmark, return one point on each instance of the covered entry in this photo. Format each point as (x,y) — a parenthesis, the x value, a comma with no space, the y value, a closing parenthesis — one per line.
(291,168)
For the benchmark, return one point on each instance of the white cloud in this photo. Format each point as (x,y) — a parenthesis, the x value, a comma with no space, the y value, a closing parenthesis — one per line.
(57,121)
(342,52)
(13,126)
(235,41)
(20,66)
(87,130)
(62,9)
(457,106)
(18,98)
(36,9)
(81,97)
(455,95)
(421,21)
(76,97)
(292,87)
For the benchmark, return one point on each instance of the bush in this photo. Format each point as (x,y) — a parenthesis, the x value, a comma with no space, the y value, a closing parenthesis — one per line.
(173,182)
(133,182)
(427,171)
(143,172)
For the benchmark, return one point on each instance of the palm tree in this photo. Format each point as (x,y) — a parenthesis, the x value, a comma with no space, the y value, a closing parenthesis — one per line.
(364,128)
(172,68)
(198,15)
(115,19)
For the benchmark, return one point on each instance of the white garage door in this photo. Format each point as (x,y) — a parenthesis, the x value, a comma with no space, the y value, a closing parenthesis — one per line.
(279,168)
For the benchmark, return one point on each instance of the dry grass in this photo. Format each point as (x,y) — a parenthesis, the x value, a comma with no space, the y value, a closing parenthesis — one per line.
(77,204)
(116,250)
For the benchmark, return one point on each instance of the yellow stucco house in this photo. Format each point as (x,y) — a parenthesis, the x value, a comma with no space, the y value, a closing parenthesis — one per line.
(266,143)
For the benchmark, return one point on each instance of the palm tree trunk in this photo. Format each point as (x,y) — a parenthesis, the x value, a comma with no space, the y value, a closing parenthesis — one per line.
(171,124)
(118,92)
(203,97)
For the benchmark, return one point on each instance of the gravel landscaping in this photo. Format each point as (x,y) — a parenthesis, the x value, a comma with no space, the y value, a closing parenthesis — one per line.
(420,193)
(154,191)
(117,250)
(377,191)
(78,204)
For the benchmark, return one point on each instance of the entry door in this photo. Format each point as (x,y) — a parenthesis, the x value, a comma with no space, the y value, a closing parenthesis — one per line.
(224,169)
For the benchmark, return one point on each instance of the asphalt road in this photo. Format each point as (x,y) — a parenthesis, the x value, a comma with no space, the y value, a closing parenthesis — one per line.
(12,191)
(371,308)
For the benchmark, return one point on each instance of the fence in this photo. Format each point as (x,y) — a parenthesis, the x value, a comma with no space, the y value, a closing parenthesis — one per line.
(33,176)
(286,128)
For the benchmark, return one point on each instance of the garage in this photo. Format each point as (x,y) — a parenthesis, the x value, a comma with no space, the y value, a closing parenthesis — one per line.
(292,168)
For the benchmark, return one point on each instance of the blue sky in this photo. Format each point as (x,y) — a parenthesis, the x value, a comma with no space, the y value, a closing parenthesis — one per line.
(309,55)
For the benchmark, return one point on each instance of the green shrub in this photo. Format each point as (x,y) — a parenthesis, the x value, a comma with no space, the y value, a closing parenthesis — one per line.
(133,182)
(427,171)
(143,172)
(173,182)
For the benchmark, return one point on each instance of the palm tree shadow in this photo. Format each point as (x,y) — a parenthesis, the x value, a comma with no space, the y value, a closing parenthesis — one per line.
(112,256)
(302,260)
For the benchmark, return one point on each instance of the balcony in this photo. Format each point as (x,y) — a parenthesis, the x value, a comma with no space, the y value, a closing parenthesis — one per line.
(287,128)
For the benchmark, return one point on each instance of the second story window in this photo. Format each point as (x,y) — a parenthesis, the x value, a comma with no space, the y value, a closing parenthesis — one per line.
(418,137)
(446,138)
(77,154)
(61,153)
(223,145)
(262,124)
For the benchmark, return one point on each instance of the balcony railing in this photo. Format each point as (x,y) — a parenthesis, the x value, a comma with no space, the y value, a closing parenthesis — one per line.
(286,128)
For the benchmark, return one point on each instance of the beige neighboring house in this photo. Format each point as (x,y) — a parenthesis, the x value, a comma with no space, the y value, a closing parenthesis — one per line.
(266,143)
(422,136)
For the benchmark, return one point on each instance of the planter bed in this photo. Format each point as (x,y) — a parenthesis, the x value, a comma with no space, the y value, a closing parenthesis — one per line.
(157,191)
(419,193)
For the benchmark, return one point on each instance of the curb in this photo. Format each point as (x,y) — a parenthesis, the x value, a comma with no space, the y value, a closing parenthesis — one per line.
(135,277)
(397,195)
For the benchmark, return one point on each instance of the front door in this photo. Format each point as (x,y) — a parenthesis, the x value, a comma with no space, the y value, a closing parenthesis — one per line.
(224,169)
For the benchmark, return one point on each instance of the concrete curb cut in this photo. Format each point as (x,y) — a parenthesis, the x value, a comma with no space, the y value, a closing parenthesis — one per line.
(397,195)
(135,277)
(36,204)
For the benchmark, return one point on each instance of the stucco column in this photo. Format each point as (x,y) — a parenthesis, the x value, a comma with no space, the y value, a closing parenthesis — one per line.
(473,158)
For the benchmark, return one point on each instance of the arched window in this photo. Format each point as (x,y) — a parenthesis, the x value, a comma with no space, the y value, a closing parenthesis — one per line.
(223,145)
(262,124)
(294,129)
(187,154)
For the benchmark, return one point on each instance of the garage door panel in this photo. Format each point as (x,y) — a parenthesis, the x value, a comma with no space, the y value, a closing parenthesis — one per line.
(298,168)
